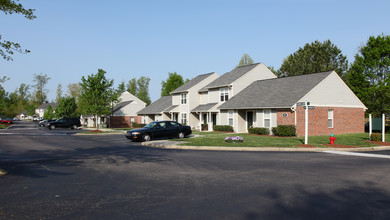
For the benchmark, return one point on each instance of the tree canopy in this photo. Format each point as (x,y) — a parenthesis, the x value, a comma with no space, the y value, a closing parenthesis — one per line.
(49,113)
(313,58)
(173,82)
(97,94)
(245,60)
(40,93)
(143,89)
(67,108)
(11,7)
(369,75)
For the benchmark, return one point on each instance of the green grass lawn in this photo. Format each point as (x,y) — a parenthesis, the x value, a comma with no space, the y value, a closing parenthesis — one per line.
(3,126)
(217,139)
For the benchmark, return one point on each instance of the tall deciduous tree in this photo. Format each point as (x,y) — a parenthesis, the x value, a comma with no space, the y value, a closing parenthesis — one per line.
(313,58)
(40,81)
(11,7)
(143,89)
(96,94)
(369,75)
(121,87)
(67,108)
(74,90)
(59,93)
(173,82)
(245,60)
(132,86)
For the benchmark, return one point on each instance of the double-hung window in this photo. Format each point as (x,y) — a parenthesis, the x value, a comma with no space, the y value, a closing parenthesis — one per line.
(184,98)
(267,118)
(183,118)
(231,117)
(224,94)
(330,118)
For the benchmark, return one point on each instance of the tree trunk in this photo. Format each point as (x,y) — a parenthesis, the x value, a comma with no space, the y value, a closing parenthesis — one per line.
(96,121)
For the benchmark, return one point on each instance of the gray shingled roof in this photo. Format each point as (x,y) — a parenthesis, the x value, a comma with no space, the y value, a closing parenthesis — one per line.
(120,105)
(203,108)
(157,107)
(275,93)
(191,83)
(45,105)
(229,77)
(170,108)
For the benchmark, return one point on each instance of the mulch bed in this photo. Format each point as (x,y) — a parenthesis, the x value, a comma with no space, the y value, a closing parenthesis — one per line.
(380,143)
(338,146)
(96,131)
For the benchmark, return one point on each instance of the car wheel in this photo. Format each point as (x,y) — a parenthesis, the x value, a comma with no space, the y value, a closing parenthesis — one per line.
(74,127)
(180,135)
(52,127)
(146,137)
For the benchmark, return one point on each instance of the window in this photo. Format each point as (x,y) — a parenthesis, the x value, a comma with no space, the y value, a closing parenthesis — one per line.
(183,118)
(224,93)
(267,118)
(231,118)
(184,98)
(330,118)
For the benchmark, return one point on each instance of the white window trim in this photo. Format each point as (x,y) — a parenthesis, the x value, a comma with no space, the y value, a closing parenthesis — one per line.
(183,99)
(183,118)
(264,118)
(231,116)
(331,118)
(223,92)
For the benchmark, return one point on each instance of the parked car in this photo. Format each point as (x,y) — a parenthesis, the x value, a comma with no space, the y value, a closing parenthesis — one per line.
(45,123)
(72,123)
(159,129)
(6,120)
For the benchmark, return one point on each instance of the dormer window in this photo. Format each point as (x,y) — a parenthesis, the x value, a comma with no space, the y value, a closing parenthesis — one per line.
(224,94)
(184,98)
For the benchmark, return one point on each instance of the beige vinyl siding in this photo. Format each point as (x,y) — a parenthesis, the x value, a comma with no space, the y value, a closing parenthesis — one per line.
(332,91)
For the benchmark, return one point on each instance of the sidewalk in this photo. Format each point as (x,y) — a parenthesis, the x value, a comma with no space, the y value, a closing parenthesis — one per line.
(166,144)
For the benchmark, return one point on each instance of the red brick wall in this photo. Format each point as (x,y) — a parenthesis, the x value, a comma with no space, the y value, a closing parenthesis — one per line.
(124,121)
(345,120)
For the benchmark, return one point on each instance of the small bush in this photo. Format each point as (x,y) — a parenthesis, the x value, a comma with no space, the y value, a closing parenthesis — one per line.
(136,125)
(259,131)
(376,137)
(205,127)
(275,131)
(286,130)
(227,128)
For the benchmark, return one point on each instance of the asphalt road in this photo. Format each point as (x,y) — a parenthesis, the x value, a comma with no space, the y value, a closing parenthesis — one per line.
(59,175)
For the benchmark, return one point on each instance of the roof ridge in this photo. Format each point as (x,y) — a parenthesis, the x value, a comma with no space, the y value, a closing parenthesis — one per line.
(289,77)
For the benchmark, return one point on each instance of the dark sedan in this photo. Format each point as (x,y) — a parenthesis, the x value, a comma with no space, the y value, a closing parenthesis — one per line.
(159,129)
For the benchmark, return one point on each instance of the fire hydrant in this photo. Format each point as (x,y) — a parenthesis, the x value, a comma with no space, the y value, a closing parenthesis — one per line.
(332,139)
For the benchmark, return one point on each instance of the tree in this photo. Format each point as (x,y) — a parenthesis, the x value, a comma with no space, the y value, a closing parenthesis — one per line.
(173,82)
(40,84)
(96,94)
(74,90)
(313,58)
(121,87)
(369,75)
(143,89)
(49,113)
(245,60)
(2,93)
(59,93)
(11,7)
(67,108)
(132,86)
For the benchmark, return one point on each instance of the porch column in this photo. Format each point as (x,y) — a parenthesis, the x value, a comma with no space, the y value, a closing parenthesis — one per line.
(200,121)
(209,123)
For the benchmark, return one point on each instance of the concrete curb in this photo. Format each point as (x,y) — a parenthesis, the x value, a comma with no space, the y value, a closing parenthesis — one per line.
(163,144)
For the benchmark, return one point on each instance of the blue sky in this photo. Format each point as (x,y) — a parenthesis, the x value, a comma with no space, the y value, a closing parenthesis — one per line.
(129,39)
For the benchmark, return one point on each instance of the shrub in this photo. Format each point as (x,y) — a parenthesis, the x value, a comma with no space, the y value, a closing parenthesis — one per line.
(260,131)
(205,127)
(136,125)
(376,137)
(286,130)
(275,131)
(228,128)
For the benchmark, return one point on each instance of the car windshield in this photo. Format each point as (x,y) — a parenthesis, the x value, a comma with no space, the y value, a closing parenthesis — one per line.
(151,125)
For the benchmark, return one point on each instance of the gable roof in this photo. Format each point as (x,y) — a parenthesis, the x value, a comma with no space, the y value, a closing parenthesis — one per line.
(120,105)
(157,107)
(204,107)
(229,77)
(45,105)
(275,93)
(186,86)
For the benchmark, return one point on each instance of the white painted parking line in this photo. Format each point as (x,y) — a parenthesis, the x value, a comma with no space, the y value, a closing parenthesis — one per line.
(358,154)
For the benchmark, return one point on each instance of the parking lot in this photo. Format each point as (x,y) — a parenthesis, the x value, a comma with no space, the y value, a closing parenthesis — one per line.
(58,175)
